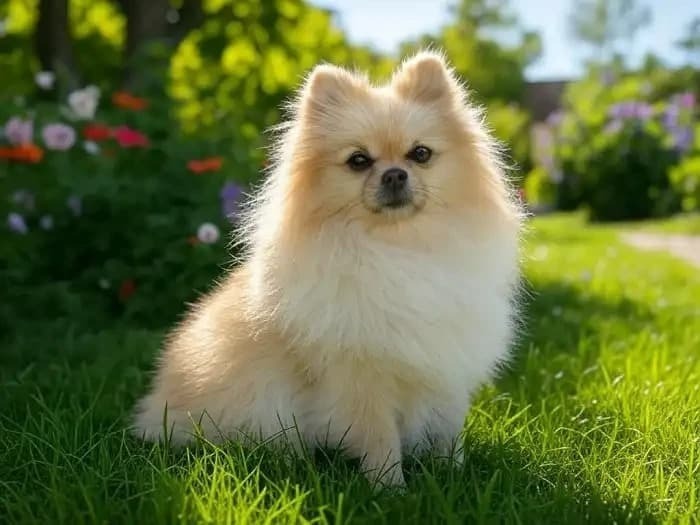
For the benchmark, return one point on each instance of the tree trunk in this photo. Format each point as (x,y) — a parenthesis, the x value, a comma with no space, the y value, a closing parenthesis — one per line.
(53,42)
(189,17)
(146,22)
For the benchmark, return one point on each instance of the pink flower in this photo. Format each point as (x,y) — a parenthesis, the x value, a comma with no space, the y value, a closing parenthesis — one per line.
(58,136)
(130,138)
(686,100)
(19,131)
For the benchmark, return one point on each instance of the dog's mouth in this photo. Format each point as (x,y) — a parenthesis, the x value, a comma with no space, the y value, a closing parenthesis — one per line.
(397,202)
(394,199)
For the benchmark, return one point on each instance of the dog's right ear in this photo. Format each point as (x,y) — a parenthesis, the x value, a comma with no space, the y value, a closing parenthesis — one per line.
(328,87)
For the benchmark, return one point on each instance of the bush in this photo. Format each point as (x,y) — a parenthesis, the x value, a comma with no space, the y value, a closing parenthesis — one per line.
(539,188)
(621,174)
(615,145)
(119,218)
(686,180)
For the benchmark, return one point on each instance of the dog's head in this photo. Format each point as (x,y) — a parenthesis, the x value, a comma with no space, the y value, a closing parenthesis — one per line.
(383,155)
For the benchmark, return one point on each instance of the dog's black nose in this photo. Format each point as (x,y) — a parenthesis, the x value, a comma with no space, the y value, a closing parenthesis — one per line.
(394,179)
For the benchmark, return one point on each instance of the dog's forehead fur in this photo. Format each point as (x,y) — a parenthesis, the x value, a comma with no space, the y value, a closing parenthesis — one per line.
(422,101)
(384,125)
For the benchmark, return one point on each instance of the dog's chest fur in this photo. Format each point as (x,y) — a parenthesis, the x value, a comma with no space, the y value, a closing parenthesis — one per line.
(442,313)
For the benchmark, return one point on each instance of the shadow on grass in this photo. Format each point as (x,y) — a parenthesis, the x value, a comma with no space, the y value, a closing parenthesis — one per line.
(560,325)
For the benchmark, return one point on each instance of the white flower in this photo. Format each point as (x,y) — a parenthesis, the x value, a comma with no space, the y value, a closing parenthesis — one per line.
(103,283)
(93,148)
(208,233)
(83,102)
(45,79)
(46,222)
(75,203)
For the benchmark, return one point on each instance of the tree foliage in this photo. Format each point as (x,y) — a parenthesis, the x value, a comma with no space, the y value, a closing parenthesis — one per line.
(226,66)
(602,24)
(493,70)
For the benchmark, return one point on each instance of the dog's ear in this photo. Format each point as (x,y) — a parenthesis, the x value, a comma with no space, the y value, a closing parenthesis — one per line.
(328,87)
(426,77)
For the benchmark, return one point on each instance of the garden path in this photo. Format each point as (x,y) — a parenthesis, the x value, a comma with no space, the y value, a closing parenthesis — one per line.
(686,247)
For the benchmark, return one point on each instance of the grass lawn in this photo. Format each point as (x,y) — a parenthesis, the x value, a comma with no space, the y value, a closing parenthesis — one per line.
(687,224)
(598,419)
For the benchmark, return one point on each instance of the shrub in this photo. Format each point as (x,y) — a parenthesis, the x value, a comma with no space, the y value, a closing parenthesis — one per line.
(616,144)
(539,188)
(686,180)
(620,174)
(117,218)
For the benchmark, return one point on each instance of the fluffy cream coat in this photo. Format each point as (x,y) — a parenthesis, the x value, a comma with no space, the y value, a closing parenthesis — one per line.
(356,326)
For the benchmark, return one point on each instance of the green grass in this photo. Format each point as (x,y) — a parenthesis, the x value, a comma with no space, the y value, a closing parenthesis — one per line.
(597,420)
(685,223)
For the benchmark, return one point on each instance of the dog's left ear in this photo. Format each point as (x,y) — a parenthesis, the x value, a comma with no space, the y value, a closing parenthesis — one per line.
(426,77)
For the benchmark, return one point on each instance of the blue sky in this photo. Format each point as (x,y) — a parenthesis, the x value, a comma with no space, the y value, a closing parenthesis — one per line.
(385,23)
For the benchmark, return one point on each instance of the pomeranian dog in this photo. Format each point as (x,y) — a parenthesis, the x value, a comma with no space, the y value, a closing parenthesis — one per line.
(377,288)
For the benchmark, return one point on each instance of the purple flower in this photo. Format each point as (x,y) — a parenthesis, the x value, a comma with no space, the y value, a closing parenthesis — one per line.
(555,118)
(230,194)
(614,126)
(670,117)
(58,136)
(683,139)
(75,204)
(16,223)
(24,198)
(643,111)
(230,190)
(618,111)
(631,110)
(19,131)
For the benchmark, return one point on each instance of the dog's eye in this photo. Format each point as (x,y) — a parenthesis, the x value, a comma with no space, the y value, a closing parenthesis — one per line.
(359,161)
(420,154)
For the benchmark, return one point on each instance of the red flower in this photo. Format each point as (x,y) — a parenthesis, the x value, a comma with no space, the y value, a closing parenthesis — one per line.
(126,289)
(125,100)
(29,153)
(97,132)
(205,165)
(130,138)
